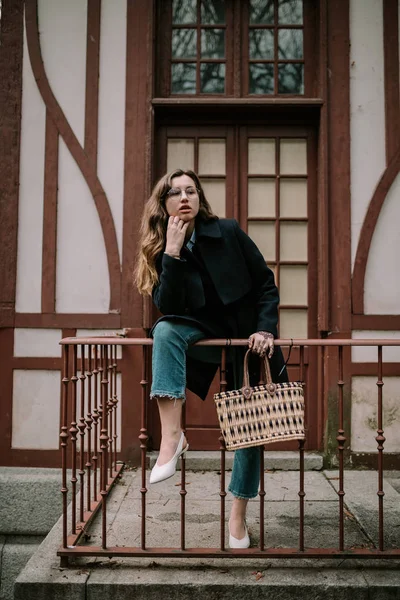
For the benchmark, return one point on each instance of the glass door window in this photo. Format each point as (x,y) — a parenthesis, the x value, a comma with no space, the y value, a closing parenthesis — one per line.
(278,221)
(236,48)
(269,189)
(207,156)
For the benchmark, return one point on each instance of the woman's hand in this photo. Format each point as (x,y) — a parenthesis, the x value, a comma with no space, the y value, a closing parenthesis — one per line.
(261,343)
(176,231)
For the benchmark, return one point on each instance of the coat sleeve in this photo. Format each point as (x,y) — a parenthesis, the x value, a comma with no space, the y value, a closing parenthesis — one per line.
(267,296)
(169,294)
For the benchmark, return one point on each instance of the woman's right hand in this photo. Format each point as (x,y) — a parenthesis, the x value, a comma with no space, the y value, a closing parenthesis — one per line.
(176,232)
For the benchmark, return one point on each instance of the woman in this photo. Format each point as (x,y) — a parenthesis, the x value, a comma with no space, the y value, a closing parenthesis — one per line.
(208,279)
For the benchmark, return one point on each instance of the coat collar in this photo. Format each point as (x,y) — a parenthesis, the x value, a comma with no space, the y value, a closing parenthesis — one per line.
(209,228)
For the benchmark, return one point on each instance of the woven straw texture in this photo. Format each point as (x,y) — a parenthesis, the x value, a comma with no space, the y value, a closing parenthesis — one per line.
(261,414)
(263,418)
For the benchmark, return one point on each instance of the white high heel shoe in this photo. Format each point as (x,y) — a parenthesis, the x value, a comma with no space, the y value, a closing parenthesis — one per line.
(243,543)
(159,473)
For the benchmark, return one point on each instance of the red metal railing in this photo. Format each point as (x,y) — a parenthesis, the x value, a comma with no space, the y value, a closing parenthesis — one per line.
(89,449)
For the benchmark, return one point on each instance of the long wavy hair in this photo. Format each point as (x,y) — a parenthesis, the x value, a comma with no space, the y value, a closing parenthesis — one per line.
(154,226)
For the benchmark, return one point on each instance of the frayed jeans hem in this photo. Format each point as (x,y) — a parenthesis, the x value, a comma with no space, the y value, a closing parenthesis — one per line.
(242,496)
(168,395)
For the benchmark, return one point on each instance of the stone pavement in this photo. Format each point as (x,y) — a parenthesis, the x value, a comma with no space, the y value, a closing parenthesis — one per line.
(181,578)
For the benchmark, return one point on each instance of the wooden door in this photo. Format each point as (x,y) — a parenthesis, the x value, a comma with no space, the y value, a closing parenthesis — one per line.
(265,177)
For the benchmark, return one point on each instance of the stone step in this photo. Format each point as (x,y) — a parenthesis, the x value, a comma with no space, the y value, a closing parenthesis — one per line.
(201,460)
(184,578)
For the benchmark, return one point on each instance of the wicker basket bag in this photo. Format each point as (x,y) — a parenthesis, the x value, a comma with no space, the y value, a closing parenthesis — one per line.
(254,416)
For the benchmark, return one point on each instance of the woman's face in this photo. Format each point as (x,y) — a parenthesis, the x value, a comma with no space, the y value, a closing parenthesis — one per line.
(183,198)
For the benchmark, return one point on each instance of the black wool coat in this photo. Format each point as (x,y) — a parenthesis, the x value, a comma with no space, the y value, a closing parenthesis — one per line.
(245,286)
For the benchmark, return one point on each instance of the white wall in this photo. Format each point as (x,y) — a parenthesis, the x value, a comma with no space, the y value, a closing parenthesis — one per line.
(367,108)
(364,412)
(82,283)
(111,137)
(382,283)
(30,208)
(36,409)
(382,276)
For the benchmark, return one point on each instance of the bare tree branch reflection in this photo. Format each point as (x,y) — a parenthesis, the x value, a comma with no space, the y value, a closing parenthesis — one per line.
(184,11)
(213,11)
(184,43)
(213,78)
(213,43)
(183,76)
(262,11)
(291,79)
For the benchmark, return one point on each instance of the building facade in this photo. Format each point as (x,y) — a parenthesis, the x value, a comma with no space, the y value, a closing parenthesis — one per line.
(288,110)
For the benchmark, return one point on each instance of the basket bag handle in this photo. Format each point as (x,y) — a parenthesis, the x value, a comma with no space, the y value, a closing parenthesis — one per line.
(247,390)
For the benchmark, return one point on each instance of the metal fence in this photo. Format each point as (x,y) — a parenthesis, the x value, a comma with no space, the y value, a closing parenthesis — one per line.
(89,439)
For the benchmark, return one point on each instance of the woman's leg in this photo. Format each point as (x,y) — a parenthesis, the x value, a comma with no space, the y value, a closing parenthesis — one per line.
(171,340)
(244,485)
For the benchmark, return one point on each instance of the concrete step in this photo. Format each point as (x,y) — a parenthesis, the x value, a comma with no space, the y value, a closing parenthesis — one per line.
(197,460)
(21,511)
(15,551)
(186,578)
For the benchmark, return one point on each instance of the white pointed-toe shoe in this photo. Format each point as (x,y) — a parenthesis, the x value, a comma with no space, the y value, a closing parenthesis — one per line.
(243,543)
(159,473)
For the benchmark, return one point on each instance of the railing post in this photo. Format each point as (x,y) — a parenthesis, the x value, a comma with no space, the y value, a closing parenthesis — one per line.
(82,427)
(115,405)
(222,493)
(89,421)
(261,494)
(96,417)
(64,441)
(341,440)
(143,437)
(380,438)
(104,443)
(110,407)
(301,457)
(73,432)
(183,491)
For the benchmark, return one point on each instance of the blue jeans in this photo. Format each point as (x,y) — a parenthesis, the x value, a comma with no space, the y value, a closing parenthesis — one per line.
(171,342)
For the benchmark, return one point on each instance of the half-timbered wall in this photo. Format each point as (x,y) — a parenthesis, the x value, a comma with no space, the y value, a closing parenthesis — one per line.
(375,213)
(81,111)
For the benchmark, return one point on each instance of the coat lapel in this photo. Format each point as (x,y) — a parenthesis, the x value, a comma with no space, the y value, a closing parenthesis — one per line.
(224,261)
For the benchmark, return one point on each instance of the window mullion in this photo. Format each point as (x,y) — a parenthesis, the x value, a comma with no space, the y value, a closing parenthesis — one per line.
(198,80)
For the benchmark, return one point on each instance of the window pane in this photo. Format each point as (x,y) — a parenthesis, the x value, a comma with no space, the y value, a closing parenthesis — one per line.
(214,190)
(183,78)
(290,44)
(213,43)
(263,235)
(261,78)
(293,159)
(293,324)
(180,154)
(262,11)
(261,156)
(184,43)
(212,159)
(184,11)
(212,11)
(261,198)
(290,12)
(293,242)
(261,44)
(212,78)
(293,284)
(291,79)
(293,198)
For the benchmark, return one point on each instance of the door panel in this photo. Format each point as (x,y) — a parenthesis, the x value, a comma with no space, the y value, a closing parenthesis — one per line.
(266,178)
